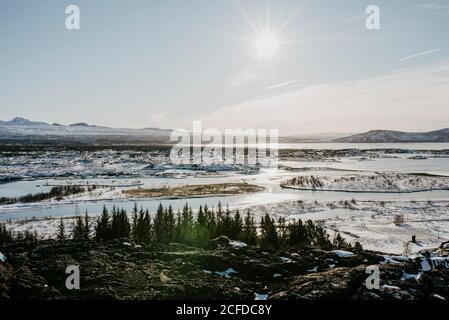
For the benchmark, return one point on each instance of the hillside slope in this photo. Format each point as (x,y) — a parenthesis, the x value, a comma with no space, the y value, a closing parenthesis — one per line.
(390,136)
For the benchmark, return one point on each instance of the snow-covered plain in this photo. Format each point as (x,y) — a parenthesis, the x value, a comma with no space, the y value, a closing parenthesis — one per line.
(371,223)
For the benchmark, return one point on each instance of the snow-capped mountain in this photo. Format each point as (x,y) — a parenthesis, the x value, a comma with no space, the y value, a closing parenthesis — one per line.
(25,131)
(390,136)
(18,121)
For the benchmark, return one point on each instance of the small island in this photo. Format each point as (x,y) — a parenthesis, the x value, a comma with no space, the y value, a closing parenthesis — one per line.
(377,183)
(192,191)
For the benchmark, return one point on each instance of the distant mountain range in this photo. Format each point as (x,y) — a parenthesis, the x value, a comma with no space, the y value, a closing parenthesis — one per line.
(24,131)
(389,136)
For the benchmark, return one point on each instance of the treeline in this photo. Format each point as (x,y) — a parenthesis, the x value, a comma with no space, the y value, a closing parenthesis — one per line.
(57,192)
(184,227)
(9,179)
(167,226)
(6,236)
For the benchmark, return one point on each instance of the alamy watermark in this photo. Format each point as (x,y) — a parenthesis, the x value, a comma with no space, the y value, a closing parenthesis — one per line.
(73,20)
(252,147)
(73,280)
(373,281)
(372,21)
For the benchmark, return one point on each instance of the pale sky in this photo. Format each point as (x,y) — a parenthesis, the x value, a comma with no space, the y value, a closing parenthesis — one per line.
(143,63)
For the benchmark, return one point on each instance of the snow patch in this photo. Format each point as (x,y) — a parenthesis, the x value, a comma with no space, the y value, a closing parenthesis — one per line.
(389,259)
(258,296)
(408,276)
(313,270)
(238,244)
(227,273)
(286,259)
(343,253)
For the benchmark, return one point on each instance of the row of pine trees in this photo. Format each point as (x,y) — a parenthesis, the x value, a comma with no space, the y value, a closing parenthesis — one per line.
(183,226)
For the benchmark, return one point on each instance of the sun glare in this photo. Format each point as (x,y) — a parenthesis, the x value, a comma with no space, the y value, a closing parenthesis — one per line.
(266,46)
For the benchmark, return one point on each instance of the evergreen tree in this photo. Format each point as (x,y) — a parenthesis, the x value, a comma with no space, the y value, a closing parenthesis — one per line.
(126,225)
(103,228)
(269,236)
(201,217)
(227,223)
(236,226)
(297,235)
(78,228)
(134,222)
(171,224)
(187,225)
(178,227)
(120,226)
(211,222)
(357,247)
(87,227)
(220,230)
(318,236)
(158,225)
(115,223)
(338,242)
(249,229)
(147,227)
(5,235)
(30,237)
(60,235)
(138,228)
(123,227)
(282,232)
(201,229)
(141,226)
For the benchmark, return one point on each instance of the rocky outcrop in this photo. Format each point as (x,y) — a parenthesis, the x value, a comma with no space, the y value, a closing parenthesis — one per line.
(122,270)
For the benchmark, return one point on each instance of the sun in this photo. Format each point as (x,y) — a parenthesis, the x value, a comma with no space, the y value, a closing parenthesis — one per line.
(266,45)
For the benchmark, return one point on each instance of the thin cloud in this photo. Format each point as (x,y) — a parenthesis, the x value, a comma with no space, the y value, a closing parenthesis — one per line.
(440,6)
(354,19)
(424,53)
(283,84)
(414,100)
